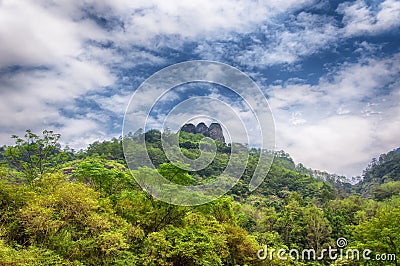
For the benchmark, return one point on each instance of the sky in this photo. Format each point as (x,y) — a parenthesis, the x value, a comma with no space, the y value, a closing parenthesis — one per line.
(329,69)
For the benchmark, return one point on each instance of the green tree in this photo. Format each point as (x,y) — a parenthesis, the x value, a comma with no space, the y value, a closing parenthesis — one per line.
(381,232)
(175,174)
(152,215)
(34,155)
(108,177)
(387,190)
(290,223)
(72,220)
(317,227)
(343,213)
(108,149)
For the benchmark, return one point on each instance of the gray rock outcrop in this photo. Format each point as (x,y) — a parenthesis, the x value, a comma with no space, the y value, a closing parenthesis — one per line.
(202,128)
(190,128)
(214,131)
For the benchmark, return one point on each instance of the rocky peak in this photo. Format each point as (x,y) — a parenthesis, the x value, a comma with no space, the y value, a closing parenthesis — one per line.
(202,128)
(214,131)
(190,128)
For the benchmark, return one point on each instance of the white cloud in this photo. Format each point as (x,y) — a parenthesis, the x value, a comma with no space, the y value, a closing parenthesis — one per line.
(32,100)
(359,18)
(294,94)
(304,34)
(355,82)
(31,35)
(47,50)
(116,103)
(53,45)
(147,22)
(335,144)
(341,123)
(77,133)
(199,18)
(50,38)
(286,41)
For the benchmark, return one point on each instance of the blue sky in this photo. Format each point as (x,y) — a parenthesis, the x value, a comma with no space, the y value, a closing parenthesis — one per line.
(330,69)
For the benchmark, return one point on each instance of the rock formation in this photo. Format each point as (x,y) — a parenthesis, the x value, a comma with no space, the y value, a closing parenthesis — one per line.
(214,131)
(190,128)
(202,128)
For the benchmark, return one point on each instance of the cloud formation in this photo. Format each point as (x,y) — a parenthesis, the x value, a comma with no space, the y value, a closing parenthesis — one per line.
(329,69)
(359,18)
(345,118)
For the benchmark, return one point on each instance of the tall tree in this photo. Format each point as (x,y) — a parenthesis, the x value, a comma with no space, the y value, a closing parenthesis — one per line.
(34,155)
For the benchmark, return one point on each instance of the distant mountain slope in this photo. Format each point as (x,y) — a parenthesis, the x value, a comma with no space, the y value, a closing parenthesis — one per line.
(381,178)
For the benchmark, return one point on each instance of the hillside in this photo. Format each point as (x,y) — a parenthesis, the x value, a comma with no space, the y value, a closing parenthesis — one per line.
(381,179)
(61,207)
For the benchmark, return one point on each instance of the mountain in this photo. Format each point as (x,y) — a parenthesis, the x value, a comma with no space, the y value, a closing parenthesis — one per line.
(85,207)
(381,178)
(214,131)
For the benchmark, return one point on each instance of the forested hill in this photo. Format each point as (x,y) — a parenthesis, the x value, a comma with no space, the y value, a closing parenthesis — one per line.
(381,179)
(65,207)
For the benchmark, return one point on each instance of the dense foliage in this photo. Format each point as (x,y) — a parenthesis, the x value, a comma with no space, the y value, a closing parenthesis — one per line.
(60,207)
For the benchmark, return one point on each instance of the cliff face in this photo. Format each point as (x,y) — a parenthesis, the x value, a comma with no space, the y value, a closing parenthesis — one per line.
(190,128)
(201,128)
(214,131)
